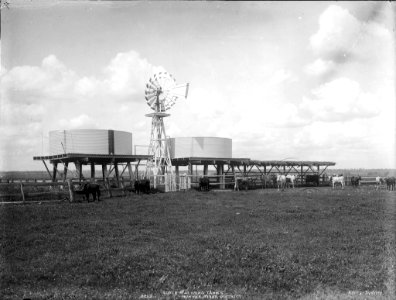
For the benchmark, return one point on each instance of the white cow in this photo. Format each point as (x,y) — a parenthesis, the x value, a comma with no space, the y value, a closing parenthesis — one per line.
(281,181)
(290,179)
(338,179)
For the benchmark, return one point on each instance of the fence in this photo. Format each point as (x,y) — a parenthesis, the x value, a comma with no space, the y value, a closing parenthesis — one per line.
(39,190)
(30,190)
(20,192)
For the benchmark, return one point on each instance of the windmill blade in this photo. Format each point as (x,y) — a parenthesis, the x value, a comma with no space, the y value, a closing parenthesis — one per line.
(151,102)
(150,92)
(154,83)
(149,98)
(167,82)
(157,78)
(151,86)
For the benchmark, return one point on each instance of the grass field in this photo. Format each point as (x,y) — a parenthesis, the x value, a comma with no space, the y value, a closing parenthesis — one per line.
(305,243)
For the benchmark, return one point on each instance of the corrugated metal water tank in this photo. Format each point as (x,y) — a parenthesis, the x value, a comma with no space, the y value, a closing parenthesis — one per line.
(90,141)
(200,147)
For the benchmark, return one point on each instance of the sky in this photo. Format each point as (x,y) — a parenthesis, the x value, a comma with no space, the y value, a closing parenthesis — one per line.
(283,80)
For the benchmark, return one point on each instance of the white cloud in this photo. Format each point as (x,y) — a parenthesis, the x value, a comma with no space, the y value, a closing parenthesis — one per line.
(49,81)
(337,29)
(280,76)
(127,73)
(81,122)
(340,99)
(341,37)
(320,67)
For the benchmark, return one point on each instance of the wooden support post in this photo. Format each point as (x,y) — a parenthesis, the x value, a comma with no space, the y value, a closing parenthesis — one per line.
(65,171)
(92,172)
(71,190)
(79,170)
(23,194)
(106,179)
(301,175)
(244,170)
(48,171)
(55,168)
(177,171)
(205,170)
(104,172)
(131,177)
(220,171)
(190,170)
(222,178)
(137,171)
(117,174)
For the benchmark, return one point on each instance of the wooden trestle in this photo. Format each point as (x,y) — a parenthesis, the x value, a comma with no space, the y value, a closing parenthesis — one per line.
(248,167)
(109,164)
(224,166)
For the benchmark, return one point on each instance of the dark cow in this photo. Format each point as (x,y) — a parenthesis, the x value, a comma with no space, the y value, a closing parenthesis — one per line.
(274,178)
(312,179)
(242,184)
(142,186)
(390,183)
(90,188)
(355,181)
(204,184)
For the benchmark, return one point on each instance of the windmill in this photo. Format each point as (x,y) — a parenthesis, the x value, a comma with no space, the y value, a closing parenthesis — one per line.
(161,94)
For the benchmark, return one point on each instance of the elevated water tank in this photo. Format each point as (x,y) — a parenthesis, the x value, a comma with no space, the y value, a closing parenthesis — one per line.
(211,147)
(90,141)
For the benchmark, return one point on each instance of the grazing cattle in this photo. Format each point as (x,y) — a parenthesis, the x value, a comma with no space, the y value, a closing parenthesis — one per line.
(204,184)
(266,181)
(90,188)
(355,181)
(281,181)
(241,183)
(142,186)
(312,179)
(290,180)
(378,182)
(269,180)
(335,180)
(390,183)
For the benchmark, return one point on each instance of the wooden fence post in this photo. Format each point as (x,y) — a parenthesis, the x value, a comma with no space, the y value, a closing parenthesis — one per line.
(71,190)
(23,195)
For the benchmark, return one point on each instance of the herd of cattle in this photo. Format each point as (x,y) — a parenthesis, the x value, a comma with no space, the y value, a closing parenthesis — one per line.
(279,181)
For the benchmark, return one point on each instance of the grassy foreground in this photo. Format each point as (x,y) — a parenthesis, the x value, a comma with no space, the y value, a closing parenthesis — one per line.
(306,243)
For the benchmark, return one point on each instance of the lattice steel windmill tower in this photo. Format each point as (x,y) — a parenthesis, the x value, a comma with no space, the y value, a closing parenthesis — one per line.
(162,93)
